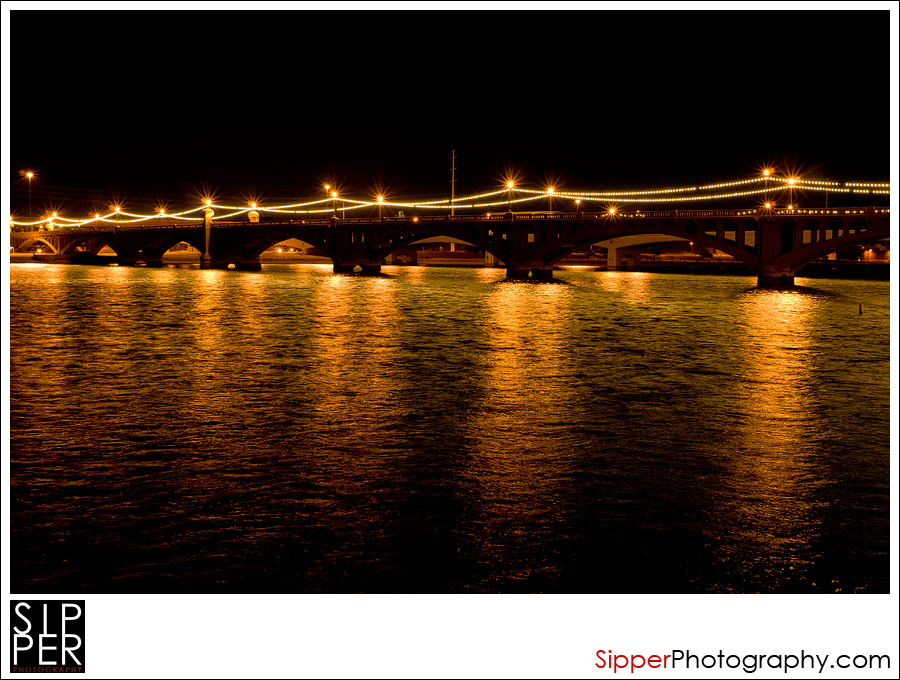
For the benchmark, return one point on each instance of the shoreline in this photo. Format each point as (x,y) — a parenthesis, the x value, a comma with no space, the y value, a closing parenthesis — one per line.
(871,271)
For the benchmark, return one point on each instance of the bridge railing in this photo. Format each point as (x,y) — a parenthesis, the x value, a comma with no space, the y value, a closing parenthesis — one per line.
(489,217)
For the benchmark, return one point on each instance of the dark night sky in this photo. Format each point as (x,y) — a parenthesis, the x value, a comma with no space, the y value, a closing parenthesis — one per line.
(145,104)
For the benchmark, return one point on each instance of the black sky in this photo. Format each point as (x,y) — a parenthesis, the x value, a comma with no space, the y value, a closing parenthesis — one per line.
(144,104)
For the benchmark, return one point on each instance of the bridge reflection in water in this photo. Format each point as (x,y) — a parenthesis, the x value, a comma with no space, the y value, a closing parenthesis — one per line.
(774,244)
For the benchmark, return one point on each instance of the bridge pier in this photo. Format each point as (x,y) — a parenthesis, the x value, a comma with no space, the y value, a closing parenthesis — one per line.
(775,281)
(612,258)
(770,277)
(52,258)
(542,273)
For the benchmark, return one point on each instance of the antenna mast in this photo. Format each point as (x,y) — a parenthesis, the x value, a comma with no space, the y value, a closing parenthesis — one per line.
(453,182)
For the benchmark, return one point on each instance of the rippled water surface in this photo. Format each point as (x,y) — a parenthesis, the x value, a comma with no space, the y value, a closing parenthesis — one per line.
(440,430)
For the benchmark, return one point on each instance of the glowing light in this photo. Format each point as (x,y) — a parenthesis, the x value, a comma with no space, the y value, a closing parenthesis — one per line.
(54,214)
(742,187)
(327,187)
(253,205)
(612,211)
(29,174)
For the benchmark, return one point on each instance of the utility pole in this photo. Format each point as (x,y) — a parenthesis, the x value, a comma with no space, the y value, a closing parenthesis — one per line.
(453,182)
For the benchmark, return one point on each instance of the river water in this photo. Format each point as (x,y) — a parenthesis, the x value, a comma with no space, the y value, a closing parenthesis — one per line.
(441,430)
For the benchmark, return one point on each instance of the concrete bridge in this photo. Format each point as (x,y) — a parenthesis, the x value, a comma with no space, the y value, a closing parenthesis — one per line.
(774,244)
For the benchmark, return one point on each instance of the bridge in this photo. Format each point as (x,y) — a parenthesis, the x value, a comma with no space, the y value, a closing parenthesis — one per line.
(774,244)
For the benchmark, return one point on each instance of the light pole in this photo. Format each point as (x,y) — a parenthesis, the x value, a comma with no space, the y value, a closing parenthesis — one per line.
(766,174)
(550,191)
(29,175)
(380,201)
(334,196)
(509,189)
(577,206)
(791,181)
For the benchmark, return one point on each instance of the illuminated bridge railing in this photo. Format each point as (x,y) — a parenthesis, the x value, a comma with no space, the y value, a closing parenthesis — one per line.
(488,217)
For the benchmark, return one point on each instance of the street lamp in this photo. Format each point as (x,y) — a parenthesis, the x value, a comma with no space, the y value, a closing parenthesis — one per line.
(791,182)
(334,196)
(577,206)
(29,175)
(550,191)
(766,174)
(509,189)
(380,199)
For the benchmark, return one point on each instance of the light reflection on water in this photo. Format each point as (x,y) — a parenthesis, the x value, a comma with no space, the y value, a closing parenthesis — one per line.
(767,518)
(441,430)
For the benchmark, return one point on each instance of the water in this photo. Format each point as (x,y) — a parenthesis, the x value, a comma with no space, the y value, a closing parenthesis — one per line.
(440,430)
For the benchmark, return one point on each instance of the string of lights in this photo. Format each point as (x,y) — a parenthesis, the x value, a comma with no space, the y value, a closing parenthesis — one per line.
(664,195)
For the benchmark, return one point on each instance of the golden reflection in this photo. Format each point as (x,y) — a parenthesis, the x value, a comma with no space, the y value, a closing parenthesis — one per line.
(767,519)
(210,337)
(520,428)
(489,274)
(632,287)
(414,274)
(355,345)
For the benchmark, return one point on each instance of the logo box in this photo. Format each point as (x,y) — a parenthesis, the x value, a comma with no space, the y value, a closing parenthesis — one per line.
(46,636)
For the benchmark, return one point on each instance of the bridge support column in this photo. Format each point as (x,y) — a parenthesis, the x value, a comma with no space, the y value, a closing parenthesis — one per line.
(769,277)
(613,262)
(52,258)
(541,273)
(206,261)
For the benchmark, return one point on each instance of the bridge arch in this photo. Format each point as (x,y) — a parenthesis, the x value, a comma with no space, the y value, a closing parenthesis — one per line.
(261,246)
(24,246)
(552,252)
(92,242)
(403,242)
(794,260)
